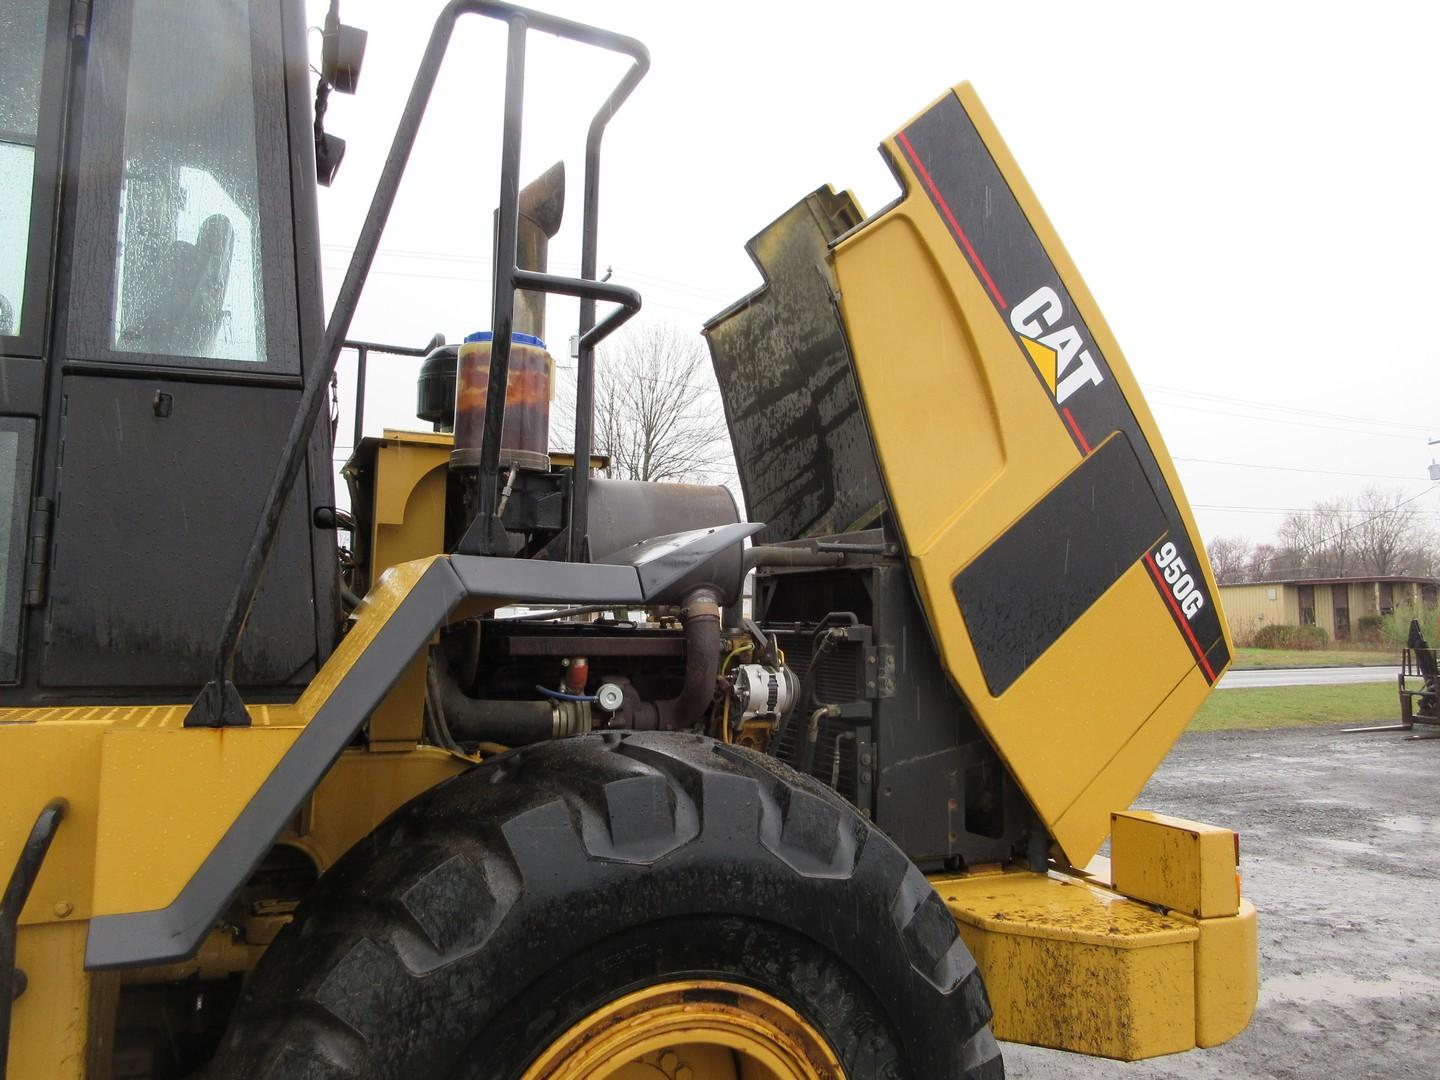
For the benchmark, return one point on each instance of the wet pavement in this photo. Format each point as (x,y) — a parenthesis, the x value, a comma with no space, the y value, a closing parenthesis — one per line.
(1340,852)
(1240,680)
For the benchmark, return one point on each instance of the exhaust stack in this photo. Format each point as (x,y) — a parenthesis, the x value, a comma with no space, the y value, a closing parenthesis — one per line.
(525,438)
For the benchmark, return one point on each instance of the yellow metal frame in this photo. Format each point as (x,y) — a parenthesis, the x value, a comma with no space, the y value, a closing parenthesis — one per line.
(407,483)
(148,800)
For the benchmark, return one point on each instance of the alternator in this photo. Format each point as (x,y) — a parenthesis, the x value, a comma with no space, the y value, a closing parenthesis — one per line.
(765,693)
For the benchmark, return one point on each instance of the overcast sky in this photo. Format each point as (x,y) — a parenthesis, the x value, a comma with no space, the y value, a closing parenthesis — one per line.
(1250,190)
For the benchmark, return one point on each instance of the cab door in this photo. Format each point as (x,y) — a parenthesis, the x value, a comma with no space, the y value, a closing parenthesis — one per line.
(33,54)
(183,315)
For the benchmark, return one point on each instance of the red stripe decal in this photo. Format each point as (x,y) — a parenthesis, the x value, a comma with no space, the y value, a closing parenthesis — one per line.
(1084,443)
(950,217)
(1184,622)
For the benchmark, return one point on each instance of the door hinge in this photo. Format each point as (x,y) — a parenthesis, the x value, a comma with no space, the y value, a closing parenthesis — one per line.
(37,569)
(79,19)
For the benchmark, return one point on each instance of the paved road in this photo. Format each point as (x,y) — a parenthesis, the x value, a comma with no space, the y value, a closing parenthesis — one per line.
(1314,676)
(1338,840)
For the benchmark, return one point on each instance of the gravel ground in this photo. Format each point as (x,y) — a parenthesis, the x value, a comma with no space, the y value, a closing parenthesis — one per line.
(1339,838)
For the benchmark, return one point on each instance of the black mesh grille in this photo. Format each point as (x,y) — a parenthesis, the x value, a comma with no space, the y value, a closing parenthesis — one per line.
(838,682)
(825,748)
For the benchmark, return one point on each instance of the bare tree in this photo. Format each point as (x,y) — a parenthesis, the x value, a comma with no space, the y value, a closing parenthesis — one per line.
(1424,556)
(1387,532)
(657,412)
(1230,559)
(1300,535)
(1336,552)
(1377,532)
(1265,562)
(1320,541)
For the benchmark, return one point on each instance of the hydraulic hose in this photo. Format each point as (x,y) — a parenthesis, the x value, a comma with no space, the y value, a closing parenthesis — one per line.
(509,723)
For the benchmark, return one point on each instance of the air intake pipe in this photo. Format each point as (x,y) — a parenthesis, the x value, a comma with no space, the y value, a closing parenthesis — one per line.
(777,555)
(509,723)
(700,615)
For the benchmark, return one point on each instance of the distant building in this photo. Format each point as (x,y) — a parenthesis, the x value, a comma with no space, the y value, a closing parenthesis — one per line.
(1333,603)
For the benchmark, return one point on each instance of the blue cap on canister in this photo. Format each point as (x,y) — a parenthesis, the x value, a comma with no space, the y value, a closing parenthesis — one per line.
(515,338)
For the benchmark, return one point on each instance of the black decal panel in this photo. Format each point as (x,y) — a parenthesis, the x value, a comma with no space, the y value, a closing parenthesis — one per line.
(1026,589)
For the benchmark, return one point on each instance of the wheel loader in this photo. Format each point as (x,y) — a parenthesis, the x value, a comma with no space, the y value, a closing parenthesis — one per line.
(497,770)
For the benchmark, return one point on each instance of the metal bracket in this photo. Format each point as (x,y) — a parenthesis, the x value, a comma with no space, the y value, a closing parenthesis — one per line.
(865,770)
(219,705)
(485,535)
(879,671)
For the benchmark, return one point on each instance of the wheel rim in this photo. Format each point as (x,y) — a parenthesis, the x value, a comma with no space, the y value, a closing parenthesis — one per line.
(697,1029)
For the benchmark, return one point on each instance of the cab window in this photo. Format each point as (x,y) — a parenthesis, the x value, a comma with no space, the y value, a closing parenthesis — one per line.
(17,436)
(188,279)
(22,55)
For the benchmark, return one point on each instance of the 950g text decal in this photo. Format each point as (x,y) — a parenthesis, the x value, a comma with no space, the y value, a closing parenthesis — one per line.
(1182,585)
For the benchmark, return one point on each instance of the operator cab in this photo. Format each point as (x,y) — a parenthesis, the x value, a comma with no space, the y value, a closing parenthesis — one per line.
(159,284)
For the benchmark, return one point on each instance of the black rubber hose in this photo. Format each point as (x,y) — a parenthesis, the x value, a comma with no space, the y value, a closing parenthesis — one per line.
(509,723)
(700,613)
(436,729)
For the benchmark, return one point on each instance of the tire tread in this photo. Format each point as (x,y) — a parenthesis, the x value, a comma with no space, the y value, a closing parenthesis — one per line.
(402,928)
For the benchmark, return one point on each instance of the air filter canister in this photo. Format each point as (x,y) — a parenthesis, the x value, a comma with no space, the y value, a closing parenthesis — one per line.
(525,438)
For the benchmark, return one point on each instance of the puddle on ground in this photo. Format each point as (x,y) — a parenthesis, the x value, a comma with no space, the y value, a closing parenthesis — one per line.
(1298,1024)
(1337,988)
(1413,826)
(1350,847)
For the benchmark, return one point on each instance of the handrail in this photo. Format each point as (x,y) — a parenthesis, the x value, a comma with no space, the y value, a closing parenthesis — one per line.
(362,351)
(219,703)
(17,891)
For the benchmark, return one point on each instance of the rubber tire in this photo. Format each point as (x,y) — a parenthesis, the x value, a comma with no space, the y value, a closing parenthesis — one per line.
(482,919)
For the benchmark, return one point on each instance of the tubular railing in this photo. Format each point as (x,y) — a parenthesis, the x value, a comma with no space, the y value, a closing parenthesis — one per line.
(219,703)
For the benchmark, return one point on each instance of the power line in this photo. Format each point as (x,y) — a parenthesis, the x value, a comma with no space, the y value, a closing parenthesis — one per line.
(404,253)
(1250,403)
(1308,511)
(622,273)
(1291,468)
(662,305)
(1281,420)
